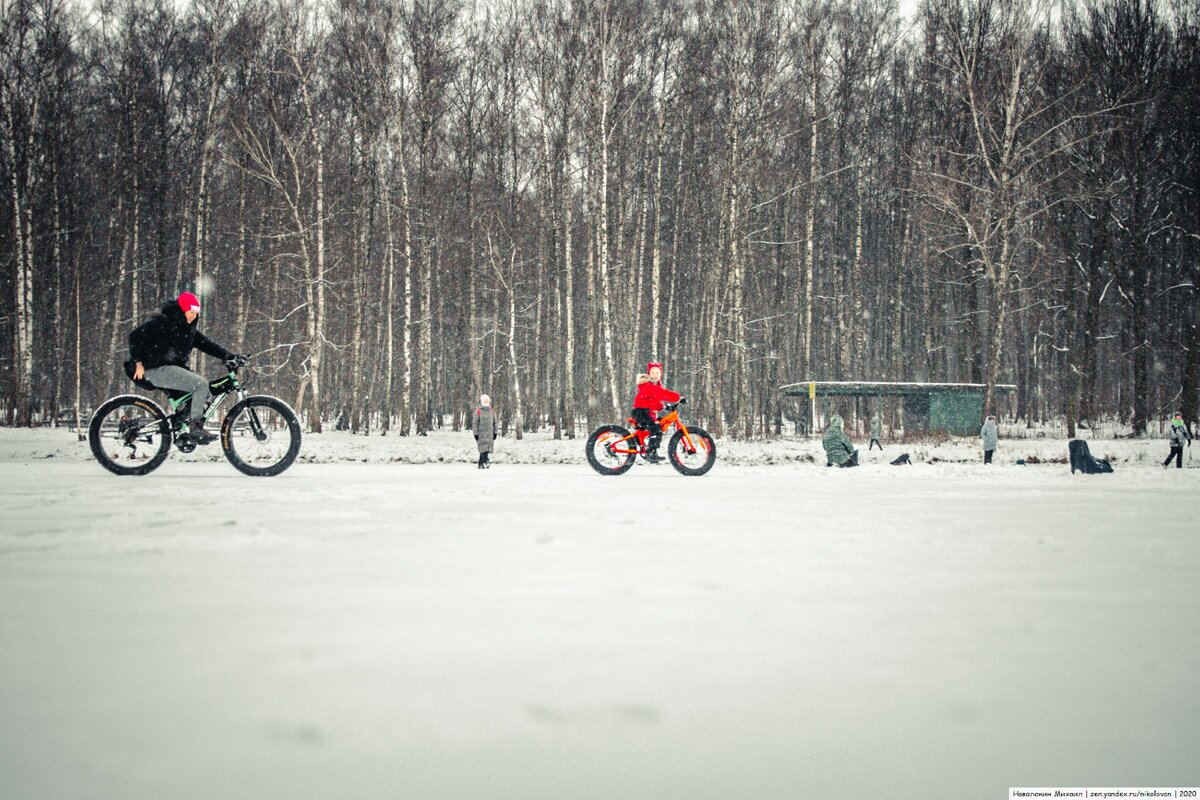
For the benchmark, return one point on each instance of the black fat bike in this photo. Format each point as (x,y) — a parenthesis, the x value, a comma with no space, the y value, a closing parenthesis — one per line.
(132,435)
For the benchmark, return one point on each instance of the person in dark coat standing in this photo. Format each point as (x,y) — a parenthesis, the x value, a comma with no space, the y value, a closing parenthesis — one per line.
(159,350)
(1179,435)
(990,436)
(483,426)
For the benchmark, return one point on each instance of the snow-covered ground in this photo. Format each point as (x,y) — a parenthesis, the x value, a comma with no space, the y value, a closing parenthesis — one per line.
(775,629)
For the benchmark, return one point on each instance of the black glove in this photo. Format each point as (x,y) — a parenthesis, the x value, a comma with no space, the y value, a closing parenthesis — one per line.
(682,401)
(476,435)
(235,361)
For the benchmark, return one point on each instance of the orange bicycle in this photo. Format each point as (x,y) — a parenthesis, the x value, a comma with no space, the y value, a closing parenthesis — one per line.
(612,449)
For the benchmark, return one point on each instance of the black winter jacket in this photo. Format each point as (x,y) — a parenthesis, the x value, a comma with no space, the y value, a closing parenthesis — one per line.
(167,339)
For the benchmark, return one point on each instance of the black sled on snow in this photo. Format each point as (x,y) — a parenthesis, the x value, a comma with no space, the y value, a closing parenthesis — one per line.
(1083,460)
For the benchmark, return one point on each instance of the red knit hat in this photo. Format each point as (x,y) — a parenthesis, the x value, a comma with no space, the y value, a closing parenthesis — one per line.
(654,364)
(189,302)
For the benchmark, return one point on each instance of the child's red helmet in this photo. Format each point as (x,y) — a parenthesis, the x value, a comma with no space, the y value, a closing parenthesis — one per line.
(654,364)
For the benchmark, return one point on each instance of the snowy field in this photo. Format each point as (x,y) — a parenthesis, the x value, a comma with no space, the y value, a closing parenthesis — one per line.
(376,624)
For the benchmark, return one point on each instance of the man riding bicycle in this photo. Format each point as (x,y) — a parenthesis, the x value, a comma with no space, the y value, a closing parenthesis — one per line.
(159,350)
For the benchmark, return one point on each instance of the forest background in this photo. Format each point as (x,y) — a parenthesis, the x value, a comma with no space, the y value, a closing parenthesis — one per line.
(396,206)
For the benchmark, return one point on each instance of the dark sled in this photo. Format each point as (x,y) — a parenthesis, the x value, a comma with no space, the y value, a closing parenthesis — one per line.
(1083,460)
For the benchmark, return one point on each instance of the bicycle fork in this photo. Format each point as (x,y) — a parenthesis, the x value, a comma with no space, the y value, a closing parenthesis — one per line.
(256,427)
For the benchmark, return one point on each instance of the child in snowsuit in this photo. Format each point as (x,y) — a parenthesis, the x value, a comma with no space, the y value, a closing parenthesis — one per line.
(1179,434)
(649,400)
(876,432)
(990,437)
(839,450)
(483,426)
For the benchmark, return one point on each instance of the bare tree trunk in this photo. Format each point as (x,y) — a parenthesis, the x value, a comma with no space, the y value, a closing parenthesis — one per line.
(899,311)
(518,410)
(206,137)
(389,314)
(358,410)
(78,357)
(424,340)
(569,409)
(243,290)
(508,284)
(857,321)
(606,306)
(22,211)
(316,274)
(656,243)
(676,235)
(57,262)
(406,331)
(135,268)
(605,290)
(810,212)
(118,304)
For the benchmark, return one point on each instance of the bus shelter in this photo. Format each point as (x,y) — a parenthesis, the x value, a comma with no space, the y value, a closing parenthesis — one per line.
(952,408)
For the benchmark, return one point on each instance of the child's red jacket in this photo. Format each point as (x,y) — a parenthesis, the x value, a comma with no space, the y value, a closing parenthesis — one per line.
(651,395)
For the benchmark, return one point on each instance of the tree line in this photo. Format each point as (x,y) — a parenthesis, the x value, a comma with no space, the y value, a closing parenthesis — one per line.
(395,205)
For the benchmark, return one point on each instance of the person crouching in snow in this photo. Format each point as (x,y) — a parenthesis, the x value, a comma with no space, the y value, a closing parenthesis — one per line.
(483,426)
(990,437)
(839,450)
(1179,434)
(647,403)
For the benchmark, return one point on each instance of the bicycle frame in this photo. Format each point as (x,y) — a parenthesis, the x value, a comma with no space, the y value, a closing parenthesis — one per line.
(639,436)
(217,399)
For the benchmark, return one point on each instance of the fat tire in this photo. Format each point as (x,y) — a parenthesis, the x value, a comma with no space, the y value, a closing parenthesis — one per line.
(591,448)
(147,405)
(676,445)
(261,401)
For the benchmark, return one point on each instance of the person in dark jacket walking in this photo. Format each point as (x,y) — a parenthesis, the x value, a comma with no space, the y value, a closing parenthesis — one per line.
(1179,435)
(159,349)
(991,438)
(483,426)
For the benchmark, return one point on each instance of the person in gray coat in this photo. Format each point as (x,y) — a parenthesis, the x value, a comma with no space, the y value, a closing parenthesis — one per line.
(990,437)
(483,426)
(839,450)
(876,432)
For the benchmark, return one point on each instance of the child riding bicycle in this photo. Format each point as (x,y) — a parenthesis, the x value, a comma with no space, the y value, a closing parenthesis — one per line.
(651,395)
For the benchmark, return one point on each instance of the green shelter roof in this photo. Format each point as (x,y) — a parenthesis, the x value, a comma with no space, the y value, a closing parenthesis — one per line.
(890,389)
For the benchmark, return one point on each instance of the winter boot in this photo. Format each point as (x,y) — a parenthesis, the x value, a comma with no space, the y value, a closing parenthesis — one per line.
(652,443)
(197,433)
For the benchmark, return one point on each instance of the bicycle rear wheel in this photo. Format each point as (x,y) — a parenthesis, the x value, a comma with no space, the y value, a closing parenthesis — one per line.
(603,448)
(129,435)
(696,459)
(261,436)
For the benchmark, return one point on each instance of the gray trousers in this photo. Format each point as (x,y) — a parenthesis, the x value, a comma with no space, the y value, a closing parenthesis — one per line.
(183,380)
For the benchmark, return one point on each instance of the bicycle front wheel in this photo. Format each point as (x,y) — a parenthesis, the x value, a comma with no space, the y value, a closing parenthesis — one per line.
(261,436)
(129,435)
(695,458)
(610,451)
